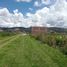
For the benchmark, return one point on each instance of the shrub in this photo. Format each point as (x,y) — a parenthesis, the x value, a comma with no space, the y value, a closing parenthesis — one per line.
(54,40)
(3,34)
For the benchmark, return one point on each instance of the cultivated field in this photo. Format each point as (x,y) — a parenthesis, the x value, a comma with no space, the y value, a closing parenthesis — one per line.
(24,51)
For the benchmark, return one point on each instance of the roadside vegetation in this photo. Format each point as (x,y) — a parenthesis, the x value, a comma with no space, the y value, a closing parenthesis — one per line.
(5,34)
(55,40)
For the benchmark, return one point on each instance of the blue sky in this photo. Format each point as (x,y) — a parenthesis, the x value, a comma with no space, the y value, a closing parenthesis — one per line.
(12,5)
(21,6)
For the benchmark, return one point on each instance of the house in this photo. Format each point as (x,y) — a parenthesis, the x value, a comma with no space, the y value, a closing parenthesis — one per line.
(38,30)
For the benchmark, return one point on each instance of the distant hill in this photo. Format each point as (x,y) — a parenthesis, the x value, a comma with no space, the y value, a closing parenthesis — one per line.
(28,30)
(15,29)
(58,30)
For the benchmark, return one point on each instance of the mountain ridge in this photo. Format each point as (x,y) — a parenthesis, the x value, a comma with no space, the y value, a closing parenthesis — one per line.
(28,30)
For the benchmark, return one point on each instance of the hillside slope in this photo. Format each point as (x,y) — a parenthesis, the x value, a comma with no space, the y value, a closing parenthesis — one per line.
(24,51)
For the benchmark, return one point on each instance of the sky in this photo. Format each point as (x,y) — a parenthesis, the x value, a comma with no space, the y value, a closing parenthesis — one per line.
(27,13)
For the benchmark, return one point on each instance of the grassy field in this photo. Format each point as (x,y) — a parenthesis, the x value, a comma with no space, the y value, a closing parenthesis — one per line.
(25,51)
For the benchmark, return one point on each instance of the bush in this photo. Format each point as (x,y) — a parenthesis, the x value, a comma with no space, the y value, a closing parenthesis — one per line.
(3,34)
(54,40)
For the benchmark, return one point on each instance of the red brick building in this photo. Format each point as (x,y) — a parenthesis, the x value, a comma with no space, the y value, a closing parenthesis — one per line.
(38,30)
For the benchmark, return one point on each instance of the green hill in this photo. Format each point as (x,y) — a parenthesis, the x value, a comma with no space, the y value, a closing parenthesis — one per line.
(25,51)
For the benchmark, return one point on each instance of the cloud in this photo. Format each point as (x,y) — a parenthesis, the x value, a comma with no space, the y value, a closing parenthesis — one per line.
(46,2)
(55,15)
(15,19)
(31,9)
(23,0)
(39,3)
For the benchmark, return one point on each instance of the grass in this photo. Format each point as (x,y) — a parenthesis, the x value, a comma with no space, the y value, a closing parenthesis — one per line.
(25,51)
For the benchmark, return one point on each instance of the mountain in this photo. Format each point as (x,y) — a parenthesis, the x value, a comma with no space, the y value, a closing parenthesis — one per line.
(28,30)
(15,29)
(57,29)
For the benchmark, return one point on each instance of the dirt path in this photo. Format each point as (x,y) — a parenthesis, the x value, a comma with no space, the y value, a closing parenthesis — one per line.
(9,40)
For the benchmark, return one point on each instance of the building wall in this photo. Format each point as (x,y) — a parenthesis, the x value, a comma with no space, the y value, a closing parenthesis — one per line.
(38,30)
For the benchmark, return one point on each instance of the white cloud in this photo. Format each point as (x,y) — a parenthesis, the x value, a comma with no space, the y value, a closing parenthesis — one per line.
(46,2)
(15,19)
(4,12)
(56,16)
(37,4)
(23,0)
(30,9)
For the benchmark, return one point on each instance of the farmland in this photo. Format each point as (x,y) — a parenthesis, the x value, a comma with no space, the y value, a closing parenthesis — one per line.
(25,51)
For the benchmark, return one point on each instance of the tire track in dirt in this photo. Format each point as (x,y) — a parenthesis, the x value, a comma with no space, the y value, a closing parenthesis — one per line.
(9,40)
(6,39)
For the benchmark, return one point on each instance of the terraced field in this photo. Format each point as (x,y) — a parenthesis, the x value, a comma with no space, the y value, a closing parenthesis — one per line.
(25,51)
